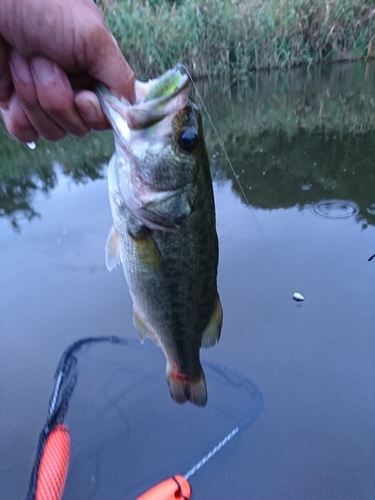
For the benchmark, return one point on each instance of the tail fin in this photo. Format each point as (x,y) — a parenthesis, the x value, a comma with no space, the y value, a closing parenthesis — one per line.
(183,390)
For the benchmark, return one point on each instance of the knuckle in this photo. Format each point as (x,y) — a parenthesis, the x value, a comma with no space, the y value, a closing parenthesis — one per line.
(21,130)
(53,135)
(17,123)
(54,106)
(81,133)
(28,101)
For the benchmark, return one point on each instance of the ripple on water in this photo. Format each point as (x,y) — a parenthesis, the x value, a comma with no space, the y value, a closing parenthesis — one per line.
(371,210)
(335,209)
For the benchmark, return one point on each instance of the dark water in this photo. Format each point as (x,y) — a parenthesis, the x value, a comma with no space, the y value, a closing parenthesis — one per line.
(303,148)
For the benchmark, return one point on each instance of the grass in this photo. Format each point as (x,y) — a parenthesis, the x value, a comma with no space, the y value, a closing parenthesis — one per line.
(221,36)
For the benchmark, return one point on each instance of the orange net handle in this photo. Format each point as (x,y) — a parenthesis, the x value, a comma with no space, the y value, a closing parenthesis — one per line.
(170,489)
(54,464)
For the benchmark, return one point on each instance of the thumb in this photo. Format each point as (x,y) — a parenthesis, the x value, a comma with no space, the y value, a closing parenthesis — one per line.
(111,68)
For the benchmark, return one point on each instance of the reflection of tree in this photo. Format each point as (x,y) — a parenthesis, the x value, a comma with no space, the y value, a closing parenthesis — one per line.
(277,171)
(294,138)
(338,99)
(16,197)
(24,172)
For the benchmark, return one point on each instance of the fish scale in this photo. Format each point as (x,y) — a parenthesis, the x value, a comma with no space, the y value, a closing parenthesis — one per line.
(164,233)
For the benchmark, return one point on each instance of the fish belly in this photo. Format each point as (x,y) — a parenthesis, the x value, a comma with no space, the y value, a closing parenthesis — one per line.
(172,280)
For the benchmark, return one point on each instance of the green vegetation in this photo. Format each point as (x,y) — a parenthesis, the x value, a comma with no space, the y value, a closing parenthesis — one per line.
(213,37)
(299,137)
(320,100)
(276,171)
(281,129)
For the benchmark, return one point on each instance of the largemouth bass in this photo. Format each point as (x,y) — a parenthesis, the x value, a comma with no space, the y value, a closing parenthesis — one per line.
(163,232)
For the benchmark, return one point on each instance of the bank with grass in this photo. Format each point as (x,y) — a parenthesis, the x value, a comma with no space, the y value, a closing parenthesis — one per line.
(215,37)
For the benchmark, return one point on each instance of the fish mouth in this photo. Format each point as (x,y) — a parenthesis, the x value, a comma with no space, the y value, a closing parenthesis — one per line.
(159,98)
(167,86)
(155,99)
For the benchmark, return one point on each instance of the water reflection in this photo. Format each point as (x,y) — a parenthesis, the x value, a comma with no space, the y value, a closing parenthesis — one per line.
(306,169)
(25,172)
(295,138)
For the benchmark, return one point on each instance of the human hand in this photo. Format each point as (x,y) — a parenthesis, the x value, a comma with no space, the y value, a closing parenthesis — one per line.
(51,52)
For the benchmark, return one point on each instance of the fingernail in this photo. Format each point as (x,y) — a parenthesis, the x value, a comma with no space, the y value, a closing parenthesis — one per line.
(88,108)
(44,70)
(20,68)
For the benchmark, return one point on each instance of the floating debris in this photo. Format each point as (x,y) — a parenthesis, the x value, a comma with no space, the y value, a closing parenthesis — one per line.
(31,145)
(372,257)
(298,297)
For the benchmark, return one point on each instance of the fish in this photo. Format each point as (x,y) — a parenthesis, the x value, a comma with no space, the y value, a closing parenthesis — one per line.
(164,229)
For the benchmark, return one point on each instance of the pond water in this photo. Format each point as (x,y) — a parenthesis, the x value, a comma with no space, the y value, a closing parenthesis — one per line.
(302,145)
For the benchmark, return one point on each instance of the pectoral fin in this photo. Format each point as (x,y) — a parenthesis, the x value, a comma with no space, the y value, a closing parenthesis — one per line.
(143,330)
(147,251)
(113,249)
(211,334)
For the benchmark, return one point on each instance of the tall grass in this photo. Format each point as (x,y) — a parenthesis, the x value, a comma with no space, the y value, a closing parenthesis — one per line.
(221,36)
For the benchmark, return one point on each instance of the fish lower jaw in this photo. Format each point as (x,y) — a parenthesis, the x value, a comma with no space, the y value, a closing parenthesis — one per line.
(183,389)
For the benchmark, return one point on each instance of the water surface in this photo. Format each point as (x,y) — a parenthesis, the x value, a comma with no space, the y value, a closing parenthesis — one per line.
(303,149)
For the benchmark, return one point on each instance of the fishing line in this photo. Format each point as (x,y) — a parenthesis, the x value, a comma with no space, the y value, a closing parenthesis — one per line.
(296,296)
(233,378)
(236,378)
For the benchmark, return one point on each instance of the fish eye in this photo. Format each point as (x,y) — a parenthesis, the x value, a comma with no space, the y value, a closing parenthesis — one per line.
(188,139)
